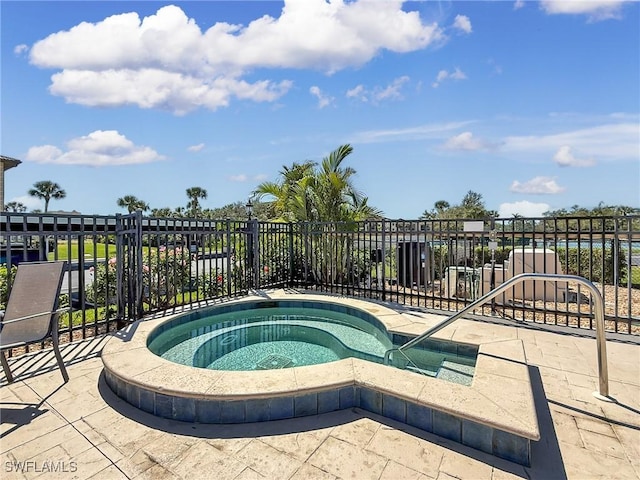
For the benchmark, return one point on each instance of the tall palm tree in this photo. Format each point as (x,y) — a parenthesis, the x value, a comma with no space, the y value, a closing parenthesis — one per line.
(323,193)
(132,203)
(47,190)
(336,196)
(286,192)
(195,194)
(312,192)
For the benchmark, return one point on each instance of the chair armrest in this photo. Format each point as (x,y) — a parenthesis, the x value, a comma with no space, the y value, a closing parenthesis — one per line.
(28,317)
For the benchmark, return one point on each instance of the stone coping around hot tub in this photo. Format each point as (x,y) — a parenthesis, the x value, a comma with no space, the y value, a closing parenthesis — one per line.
(499,397)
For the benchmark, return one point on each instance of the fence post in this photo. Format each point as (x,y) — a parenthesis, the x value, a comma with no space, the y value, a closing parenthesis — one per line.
(384,260)
(291,253)
(255,245)
(230,256)
(120,296)
(139,307)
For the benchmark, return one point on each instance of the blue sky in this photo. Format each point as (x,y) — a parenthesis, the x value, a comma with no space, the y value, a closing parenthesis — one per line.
(534,105)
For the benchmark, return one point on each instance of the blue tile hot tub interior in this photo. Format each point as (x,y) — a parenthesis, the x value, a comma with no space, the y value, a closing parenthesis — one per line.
(264,335)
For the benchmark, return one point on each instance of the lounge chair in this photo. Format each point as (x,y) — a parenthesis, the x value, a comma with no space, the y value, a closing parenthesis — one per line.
(32,310)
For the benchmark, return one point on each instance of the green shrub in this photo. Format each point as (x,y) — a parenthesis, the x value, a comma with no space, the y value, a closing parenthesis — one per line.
(5,277)
(103,289)
(590,264)
(165,273)
(212,284)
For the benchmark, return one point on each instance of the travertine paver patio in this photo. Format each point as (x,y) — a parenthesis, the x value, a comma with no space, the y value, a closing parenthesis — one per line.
(82,430)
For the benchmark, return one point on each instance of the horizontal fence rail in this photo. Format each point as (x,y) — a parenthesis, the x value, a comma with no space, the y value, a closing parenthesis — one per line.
(122,267)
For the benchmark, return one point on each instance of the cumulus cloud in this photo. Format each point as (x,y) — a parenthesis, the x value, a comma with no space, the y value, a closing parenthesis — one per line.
(462,23)
(443,75)
(537,186)
(324,100)
(98,149)
(523,208)
(392,91)
(596,10)
(466,141)
(565,158)
(196,148)
(166,61)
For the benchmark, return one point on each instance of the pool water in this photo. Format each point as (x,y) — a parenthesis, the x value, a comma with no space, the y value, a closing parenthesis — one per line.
(290,336)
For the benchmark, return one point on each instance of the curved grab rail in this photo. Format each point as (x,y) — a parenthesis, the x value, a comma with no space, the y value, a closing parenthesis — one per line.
(603,373)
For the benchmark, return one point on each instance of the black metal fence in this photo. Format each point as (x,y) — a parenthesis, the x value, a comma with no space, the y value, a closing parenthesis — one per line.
(123,267)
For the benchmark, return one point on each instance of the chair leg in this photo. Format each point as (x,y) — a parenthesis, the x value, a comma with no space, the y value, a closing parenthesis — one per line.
(56,350)
(5,367)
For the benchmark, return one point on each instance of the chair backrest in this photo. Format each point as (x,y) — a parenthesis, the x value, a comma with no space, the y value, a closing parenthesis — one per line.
(35,289)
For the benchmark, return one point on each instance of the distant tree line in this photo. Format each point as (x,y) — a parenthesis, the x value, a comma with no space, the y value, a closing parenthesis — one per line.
(311,191)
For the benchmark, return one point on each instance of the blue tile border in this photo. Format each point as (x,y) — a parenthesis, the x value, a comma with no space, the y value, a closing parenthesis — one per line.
(305,405)
(447,426)
(281,408)
(481,437)
(328,401)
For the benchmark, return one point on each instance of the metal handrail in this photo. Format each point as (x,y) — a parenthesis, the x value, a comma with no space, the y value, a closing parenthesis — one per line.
(601,341)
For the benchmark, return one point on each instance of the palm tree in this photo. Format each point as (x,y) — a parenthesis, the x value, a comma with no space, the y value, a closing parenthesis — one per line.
(164,212)
(46,190)
(324,194)
(195,194)
(17,207)
(132,203)
(285,193)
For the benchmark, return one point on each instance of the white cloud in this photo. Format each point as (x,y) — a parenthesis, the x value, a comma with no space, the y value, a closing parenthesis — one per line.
(358,92)
(196,148)
(617,141)
(392,91)
(518,4)
(565,158)
(32,203)
(166,61)
(20,49)
(466,141)
(462,23)
(324,100)
(443,75)
(403,134)
(595,9)
(98,149)
(153,88)
(537,186)
(523,208)
(241,177)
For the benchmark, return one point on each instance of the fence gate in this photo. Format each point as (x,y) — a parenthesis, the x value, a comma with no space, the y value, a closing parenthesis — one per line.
(129,267)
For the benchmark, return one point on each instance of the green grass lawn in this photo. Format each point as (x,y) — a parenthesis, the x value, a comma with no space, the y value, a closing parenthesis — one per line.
(99,250)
